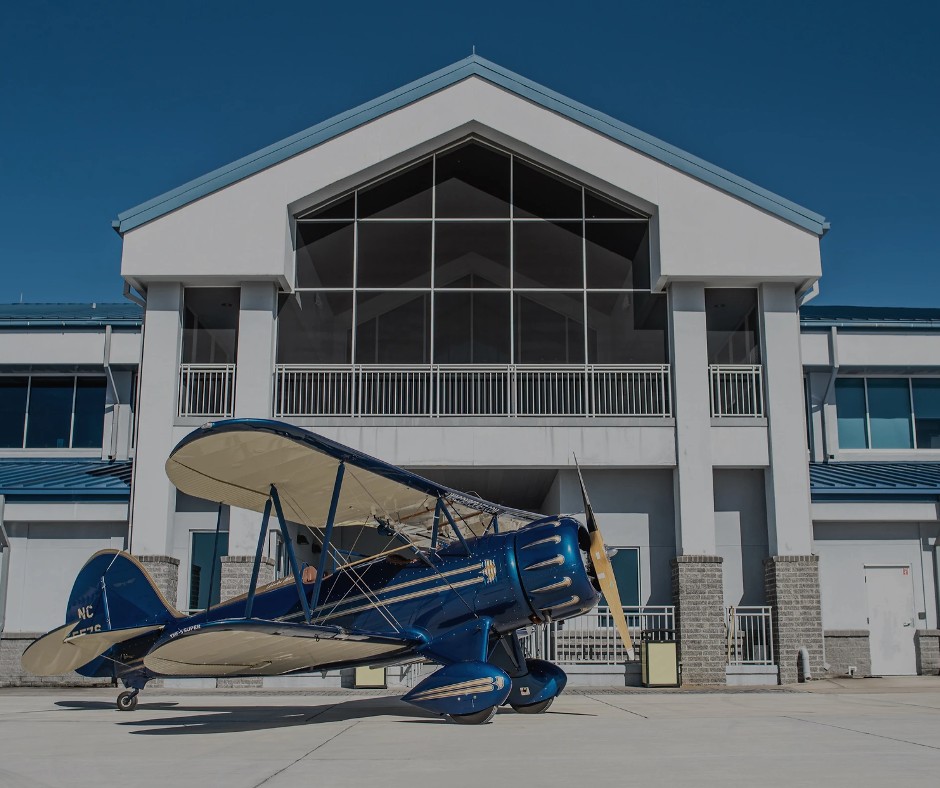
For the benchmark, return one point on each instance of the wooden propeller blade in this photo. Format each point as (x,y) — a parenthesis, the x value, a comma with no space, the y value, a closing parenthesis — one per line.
(603,570)
(608,583)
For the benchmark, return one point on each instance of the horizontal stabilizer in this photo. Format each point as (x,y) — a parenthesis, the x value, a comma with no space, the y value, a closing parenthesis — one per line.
(265,648)
(60,652)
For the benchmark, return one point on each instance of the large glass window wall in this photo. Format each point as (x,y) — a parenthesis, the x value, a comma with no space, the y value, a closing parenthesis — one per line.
(888,413)
(472,256)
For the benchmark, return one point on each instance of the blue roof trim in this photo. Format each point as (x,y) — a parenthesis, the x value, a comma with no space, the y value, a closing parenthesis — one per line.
(124,315)
(851,317)
(471,66)
(71,478)
(879,480)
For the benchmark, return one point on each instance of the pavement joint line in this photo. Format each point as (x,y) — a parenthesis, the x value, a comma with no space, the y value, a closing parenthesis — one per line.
(864,733)
(306,754)
(619,708)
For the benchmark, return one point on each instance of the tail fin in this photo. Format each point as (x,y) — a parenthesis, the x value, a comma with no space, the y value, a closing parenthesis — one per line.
(113,600)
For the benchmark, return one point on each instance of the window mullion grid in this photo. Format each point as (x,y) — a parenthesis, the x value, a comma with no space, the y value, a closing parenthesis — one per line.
(433,317)
(72,417)
(355,300)
(588,409)
(512,266)
(29,396)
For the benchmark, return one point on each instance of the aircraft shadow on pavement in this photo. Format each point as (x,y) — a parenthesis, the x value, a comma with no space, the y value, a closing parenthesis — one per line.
(198,719)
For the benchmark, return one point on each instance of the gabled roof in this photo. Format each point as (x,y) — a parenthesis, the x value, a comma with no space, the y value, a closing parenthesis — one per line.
(901,317)
(70,478)
(124,315)
(472,66)
(855,480)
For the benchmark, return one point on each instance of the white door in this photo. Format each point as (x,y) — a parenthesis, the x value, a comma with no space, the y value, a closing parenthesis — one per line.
(890,592)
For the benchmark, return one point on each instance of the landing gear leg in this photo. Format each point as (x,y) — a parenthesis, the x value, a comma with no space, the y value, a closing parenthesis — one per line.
(127,700)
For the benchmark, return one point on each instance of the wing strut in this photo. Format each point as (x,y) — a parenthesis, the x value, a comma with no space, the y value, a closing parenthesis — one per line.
(253,586)
(453,525)
(327,535)
(288,545)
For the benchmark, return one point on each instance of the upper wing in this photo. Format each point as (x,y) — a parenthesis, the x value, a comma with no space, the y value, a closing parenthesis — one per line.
(237,460)
(267,648)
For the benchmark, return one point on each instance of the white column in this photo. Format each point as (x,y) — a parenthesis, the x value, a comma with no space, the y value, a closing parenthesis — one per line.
(254,386)
(694,484)
(789,523)
(154,496)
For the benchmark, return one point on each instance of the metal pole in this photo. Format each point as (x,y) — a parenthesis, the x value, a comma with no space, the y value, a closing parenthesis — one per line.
(327,535)
(253,585)
(285,534)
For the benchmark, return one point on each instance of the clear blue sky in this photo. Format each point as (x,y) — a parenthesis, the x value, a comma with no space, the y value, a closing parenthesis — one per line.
(834,105)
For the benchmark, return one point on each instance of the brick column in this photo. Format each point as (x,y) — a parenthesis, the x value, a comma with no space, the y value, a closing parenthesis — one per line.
(164,570)
(699,598)
(792,586)
(927,648)
(236,574)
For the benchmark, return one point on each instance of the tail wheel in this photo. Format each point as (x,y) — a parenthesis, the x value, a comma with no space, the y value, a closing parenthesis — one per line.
(127,700)
(476,718)
(535,708)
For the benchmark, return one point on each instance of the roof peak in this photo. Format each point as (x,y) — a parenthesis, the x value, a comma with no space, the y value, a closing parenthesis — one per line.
(471,66)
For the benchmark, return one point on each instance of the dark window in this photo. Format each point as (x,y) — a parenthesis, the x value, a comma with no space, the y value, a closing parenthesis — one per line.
(393,328)
(549,328)
(315,328)
(12,411)
(88,427)
(548,254)
(200,570)
(731,325)
(471,254)
(850,413)
(597,207)
(471,328)
(927,413)
(394,254)
(539,194)
(472,182)
(406,195)
(612,255)
(50,413)
(325,254)
(889,413)
(210,325)
(344,208)
(627,328)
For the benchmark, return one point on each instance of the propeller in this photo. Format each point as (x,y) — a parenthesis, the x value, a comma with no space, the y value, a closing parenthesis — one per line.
(600,560)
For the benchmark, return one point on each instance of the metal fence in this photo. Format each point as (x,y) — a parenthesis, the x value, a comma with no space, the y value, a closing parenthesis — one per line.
(750,635)
(591,639)
(736,390)
(206,389)
(478,390)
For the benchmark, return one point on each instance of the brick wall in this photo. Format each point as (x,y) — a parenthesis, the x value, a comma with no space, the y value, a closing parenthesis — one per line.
(927,649)
(845,648)
(236,574)
(699,599)
(164,570)
(792,587)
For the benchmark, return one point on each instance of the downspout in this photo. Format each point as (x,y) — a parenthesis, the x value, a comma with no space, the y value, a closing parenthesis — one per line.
(116,410)
(142,301)
(834,359)
(4,567)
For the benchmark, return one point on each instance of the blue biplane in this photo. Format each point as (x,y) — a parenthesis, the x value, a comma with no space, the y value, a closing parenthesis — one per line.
(460,578)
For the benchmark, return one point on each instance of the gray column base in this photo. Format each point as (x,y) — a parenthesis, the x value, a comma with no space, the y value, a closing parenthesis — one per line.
(164,570)
(847,649)
(792,586)
(698,595)
(927,649)
(236,574)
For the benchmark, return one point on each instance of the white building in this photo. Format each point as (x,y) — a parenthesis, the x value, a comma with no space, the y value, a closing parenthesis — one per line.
(477,278)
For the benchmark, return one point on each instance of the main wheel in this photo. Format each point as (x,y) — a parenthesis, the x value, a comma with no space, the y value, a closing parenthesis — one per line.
(535,708)
(127,700)
(475,718)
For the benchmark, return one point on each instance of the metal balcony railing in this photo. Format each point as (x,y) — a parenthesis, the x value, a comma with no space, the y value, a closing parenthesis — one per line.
(473,390)
(591,639)
(206,390)
(750,635)
(736,390)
